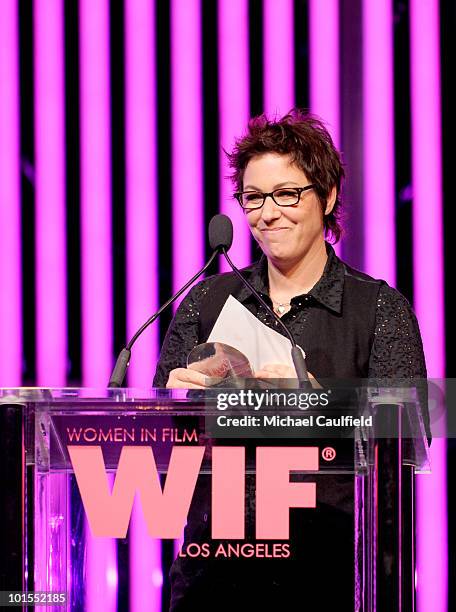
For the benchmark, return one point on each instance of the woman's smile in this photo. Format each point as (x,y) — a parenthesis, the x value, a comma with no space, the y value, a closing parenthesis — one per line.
(273,230)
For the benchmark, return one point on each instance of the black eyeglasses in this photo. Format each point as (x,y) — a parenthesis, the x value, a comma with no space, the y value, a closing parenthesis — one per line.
(284,196)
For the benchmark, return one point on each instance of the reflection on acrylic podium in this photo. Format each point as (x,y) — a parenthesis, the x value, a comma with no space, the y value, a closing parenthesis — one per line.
(49,434)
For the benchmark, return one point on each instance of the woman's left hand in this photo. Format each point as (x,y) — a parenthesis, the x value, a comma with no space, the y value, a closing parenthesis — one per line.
(279,370)
(275,370)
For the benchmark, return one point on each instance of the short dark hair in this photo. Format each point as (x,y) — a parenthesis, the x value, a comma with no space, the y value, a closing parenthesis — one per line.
(305,138)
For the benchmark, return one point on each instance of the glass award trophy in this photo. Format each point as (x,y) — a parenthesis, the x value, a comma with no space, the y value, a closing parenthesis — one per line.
(224,365)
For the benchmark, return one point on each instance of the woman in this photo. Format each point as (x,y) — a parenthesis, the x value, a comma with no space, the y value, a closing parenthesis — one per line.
(287,174)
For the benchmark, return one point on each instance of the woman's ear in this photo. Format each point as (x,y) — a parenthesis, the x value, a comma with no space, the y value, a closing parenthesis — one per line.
(331,200)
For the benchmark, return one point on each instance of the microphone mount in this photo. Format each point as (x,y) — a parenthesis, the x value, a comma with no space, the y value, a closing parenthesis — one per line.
(296,353)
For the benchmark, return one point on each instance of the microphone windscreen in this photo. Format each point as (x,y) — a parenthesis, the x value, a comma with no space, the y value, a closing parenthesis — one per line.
(220,232)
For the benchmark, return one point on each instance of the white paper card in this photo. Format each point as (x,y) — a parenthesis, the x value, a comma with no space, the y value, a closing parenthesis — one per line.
(239,328)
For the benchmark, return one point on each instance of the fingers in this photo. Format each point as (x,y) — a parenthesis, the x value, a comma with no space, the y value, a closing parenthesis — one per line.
(184,378)
(279,370)
(264,374)
(187,378)
(214,366)
(275,370)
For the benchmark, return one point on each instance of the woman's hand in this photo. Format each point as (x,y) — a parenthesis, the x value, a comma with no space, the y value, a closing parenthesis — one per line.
(186,378)
(278,370)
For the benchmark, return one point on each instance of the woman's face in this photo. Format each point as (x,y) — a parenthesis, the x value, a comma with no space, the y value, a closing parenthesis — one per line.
(285,234)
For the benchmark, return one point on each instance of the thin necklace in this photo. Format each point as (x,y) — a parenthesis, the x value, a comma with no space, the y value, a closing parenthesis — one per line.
(281,306)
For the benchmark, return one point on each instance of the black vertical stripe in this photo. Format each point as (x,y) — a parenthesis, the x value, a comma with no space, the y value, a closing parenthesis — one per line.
(167,560)
(117,75)
(165,192)
(448,65)
(27,189)
(402,150)
(256,77)
(123,573)
(301,53)
(210,111)
(351,77)
(73,226)
(77,524)
(256,56)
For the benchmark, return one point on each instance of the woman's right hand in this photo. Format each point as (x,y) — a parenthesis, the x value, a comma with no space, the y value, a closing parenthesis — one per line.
(186,378)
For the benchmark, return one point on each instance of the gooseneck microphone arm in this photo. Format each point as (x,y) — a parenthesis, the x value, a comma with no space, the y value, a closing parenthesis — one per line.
(120,369)
(296,353)
(220,240)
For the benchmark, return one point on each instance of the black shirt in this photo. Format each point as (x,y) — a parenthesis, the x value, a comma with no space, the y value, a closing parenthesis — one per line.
(350,325)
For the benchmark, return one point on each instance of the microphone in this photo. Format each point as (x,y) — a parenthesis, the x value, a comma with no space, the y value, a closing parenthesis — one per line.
(220,234)
(220,238)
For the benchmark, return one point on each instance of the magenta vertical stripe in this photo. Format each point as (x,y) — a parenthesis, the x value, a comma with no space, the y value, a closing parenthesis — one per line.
(278,55)
(187,145)
(432,551)
(142,259)
(427,180)
(378,139)
(141,185)
(95,192)
(10,199)
(50,231)
(146,575)
(94,65)
(233,61)
(324,66)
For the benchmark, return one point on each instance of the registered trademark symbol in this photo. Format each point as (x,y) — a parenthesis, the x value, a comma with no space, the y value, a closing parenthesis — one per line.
(328,453)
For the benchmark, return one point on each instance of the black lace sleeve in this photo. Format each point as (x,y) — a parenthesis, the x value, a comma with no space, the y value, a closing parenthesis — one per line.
(181,337)
(397,351)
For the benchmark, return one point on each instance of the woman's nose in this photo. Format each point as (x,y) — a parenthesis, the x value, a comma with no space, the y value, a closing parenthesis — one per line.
(270,210)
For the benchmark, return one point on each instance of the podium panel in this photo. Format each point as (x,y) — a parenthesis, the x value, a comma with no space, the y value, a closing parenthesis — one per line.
(277,502)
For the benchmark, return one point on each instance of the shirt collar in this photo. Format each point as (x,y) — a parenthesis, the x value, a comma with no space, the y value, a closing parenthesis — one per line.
(328,291)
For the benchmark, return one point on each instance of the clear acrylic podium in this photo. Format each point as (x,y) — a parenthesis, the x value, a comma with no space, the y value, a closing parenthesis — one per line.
(44,540)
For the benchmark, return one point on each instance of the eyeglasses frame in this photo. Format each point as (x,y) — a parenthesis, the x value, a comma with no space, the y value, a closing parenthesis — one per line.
(238,195)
